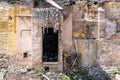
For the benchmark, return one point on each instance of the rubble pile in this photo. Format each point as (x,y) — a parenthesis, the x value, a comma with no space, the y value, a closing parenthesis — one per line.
(98,73)
(11,70)
(90,74)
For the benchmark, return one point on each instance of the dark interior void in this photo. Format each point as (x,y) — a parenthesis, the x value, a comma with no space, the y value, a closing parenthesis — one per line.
(50,45)
(25,54)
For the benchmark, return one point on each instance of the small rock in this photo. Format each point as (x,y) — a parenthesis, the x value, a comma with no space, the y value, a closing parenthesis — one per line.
(3,70)
(75,76)
(4,66)
(117,77)
(110,69)
(80,79)
(48,73)
(91,71)
(75,70)
(23,71)
(32,72)
(1,56)
(60,74)
(1,76)
(28,68)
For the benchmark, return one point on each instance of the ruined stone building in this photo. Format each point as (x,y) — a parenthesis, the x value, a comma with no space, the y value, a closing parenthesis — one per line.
(78,35)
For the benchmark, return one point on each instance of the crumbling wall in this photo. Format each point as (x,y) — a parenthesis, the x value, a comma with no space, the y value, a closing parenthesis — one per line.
(23,25)
(23,38)
(67,33)
(97,34)
(36,43)
(13,11)
(11,31)
(7,28)
(109,48)
(43,19)
(88,51)
(109,52)
(85,31)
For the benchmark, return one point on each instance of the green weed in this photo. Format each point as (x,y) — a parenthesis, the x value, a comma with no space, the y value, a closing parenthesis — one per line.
(39,70)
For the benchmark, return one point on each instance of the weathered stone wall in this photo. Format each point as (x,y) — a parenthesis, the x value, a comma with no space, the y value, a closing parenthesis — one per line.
(109,52)
(102,48)
(109,47)
(23,38)
(8,45)
(88,51)
(11,31)
(3,43)
(23,33)
(39,23)
(8,26)
(67,33)
(36,43)
(97,40)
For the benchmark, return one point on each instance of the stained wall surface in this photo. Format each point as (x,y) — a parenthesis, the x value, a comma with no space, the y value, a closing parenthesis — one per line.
(7,29)
(101,46)
(23,39)
(8,15)
(97,34)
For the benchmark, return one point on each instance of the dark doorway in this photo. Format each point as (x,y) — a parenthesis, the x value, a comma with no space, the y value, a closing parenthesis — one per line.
(50,45)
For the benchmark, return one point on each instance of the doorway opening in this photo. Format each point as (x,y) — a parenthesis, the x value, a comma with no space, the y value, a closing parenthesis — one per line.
(50,45)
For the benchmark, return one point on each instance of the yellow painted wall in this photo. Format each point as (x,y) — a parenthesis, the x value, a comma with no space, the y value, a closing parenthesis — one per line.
(11,33)
(8,25)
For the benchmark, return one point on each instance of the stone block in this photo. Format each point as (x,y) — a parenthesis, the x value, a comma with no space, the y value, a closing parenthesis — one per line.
(1,76)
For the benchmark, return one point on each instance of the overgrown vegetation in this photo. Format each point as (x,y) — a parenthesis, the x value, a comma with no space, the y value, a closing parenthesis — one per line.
(39,70)
(52,71)
(83,74)
(118,68)
(64,78)
(111,75)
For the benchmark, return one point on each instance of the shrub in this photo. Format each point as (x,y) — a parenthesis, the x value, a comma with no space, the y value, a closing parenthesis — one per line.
(111,75)
(64,78)
(39,70)
(118,68)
